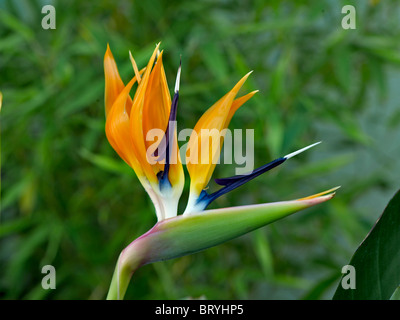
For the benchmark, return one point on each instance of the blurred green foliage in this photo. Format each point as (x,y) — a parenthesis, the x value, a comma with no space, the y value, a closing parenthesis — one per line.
(69,201)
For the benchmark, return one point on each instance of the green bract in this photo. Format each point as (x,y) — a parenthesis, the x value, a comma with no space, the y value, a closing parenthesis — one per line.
(182,235)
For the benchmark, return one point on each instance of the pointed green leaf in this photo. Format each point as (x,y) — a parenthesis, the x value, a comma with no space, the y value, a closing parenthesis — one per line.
(396,294)
(377,260)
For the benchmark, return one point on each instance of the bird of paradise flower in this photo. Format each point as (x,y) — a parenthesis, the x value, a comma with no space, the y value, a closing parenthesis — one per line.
(128,120)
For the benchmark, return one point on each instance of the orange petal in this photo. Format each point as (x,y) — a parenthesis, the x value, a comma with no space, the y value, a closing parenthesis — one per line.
(114,84)
(118,130)
(135,68)
(214,120)
(156,106)
(237,104)
(137,122)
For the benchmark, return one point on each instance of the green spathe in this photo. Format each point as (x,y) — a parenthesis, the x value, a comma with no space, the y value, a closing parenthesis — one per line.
(183,235)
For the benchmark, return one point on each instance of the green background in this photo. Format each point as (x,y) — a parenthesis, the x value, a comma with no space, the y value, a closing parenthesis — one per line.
(69,201)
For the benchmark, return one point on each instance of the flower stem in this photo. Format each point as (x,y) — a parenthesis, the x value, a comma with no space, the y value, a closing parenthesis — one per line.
(121,277)
(119,284)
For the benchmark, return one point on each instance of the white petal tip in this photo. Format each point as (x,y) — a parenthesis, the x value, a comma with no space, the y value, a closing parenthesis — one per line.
(291,155)
(249,73)
(178,79)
